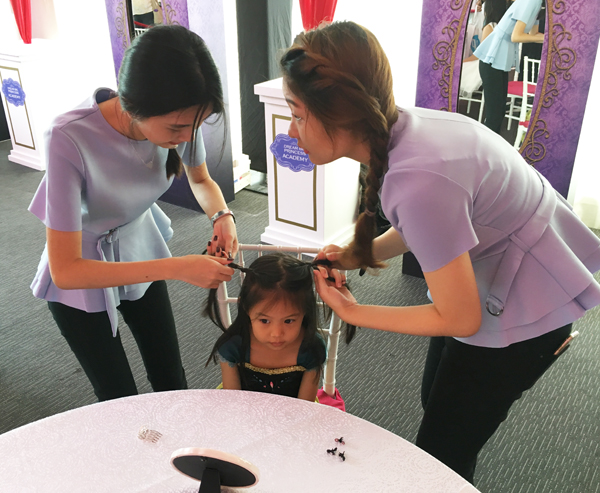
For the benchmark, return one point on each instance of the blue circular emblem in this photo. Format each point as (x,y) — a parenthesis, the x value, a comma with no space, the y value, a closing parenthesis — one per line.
(13,92)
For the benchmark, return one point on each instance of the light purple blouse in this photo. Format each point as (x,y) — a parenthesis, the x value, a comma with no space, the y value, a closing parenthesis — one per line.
(455,186)
(102,183)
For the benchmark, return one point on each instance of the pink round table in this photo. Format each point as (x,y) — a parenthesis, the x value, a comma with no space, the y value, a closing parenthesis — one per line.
(96,448)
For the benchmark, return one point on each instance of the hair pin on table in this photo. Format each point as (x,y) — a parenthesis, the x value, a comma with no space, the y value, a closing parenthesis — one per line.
(149,435)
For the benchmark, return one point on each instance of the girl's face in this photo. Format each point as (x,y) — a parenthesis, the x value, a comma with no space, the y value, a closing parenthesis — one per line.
(311,134)
(171,129)
(276,325)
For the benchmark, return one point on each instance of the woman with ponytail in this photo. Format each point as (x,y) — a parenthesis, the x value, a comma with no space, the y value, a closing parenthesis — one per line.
(108,161)
(507,263)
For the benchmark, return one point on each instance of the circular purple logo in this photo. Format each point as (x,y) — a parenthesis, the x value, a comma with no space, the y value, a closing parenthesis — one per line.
(13,92)
(289,155)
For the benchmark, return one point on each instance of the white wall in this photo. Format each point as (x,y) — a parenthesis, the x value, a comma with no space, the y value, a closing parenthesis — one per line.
(584,192)
(394,35)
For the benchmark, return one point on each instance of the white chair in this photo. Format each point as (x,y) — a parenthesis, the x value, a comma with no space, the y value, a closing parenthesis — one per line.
(520,91)
(331,334)
(531,68)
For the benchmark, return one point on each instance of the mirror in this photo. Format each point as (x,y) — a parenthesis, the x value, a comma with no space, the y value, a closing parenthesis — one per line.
(511,119)
(567,62)
(144,14)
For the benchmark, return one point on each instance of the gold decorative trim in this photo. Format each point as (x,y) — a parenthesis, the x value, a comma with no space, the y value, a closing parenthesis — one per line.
(314,194)
(559,61)
(169,13)
(444,51)
(120,24)
(26,112)
(274,371)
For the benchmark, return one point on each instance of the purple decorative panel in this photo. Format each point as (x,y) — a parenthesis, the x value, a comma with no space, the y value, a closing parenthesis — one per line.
(567,64)
(443,26)
(116,11)
(175,12)
(568,56)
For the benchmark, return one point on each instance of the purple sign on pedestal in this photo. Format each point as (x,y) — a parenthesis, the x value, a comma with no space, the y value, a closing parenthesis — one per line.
(13,92)
(289,155)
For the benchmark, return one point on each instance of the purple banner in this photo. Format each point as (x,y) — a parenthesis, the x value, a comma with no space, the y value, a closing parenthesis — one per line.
(116,11)
(568,56)
(443,27)
(175,12)
(567,64)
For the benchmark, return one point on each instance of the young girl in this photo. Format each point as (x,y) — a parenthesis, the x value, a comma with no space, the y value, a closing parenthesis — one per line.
(274,344)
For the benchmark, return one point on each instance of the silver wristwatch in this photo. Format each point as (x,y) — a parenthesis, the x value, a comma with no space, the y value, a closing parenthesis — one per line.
(220,214)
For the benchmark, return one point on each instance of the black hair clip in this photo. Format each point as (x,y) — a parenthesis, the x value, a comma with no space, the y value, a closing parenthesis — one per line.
(340,440)
(332,451)
(342,456)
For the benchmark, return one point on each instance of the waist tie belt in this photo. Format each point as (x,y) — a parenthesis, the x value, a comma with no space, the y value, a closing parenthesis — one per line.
(521,242)
(106,245)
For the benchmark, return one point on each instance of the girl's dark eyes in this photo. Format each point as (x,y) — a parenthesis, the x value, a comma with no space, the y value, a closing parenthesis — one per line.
(289,321)
(263,320)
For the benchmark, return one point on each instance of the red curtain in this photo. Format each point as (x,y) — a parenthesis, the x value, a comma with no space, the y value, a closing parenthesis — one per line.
(22,10)
(316,11)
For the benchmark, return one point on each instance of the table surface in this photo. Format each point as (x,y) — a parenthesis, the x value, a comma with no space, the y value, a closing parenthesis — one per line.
(96,447)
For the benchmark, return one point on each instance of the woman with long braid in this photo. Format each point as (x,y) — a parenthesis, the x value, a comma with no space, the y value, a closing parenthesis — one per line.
(507,263)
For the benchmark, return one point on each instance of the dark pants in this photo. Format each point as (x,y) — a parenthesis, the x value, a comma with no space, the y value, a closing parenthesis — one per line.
(495,91)
(468,390)
(102,356)
(147,18)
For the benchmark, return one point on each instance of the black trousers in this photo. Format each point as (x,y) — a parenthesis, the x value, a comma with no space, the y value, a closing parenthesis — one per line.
(495,91)
(102,356)
(468,390)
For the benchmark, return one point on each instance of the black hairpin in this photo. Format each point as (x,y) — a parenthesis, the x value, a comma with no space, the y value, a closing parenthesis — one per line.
(340,440)
(332,451)
(342,456)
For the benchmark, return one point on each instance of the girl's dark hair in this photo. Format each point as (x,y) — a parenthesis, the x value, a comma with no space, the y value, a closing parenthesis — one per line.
(273,277)
(343,77)
(169,68)
(494,10)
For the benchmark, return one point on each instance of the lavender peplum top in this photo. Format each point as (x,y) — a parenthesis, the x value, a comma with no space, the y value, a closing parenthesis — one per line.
(453,186)
(105,185)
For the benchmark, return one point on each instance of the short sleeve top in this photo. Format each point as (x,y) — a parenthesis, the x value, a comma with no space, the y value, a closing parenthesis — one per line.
(98,180)
(497,49)
(280,381)
(453,186)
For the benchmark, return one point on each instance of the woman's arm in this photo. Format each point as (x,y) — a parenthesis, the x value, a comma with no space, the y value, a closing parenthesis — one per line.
(309,386)
(455,311)
(209,196)
(231,377)
(520,36)
(487,30)
(70,271)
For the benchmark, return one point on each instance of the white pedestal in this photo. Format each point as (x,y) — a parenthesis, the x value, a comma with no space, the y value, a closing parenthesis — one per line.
(27,66)
(310,209)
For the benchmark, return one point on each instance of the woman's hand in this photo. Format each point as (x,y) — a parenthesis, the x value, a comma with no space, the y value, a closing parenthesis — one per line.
(339,299)
(203,270)
(224,242)
(340,257)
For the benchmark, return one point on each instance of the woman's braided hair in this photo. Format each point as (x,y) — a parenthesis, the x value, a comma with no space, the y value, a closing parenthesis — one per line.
(343,77)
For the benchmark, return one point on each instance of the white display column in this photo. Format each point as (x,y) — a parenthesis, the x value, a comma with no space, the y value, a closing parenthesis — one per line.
(24,78)
(310,206)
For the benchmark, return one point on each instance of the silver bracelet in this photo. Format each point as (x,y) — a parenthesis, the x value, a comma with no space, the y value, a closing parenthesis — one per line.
(220,214)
